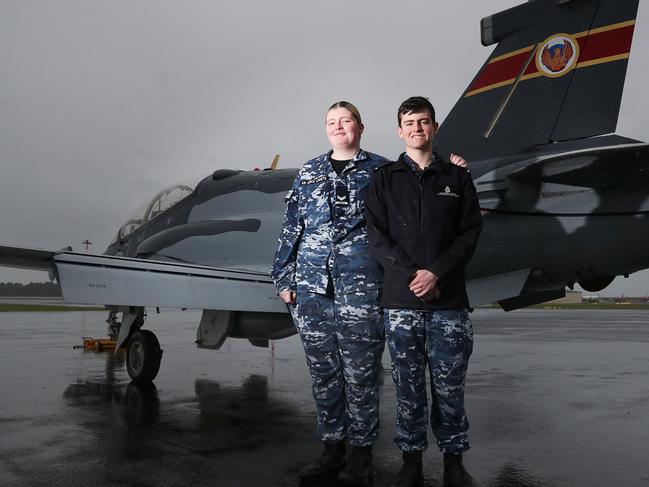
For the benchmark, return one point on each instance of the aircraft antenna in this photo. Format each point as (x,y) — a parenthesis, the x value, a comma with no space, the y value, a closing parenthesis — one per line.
(501,109)
(273,165)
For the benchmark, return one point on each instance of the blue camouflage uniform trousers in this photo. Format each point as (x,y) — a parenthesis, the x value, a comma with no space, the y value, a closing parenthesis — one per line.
(343,339)
(443,341)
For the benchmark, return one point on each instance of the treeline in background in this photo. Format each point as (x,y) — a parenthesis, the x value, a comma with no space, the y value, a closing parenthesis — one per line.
(33,289)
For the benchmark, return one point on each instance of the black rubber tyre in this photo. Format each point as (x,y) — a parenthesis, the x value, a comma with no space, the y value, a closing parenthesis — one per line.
(143,357)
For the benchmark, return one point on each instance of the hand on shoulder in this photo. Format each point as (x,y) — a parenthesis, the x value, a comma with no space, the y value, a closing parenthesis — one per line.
(458,160)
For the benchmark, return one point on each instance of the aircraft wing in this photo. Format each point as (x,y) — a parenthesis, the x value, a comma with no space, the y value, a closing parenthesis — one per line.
(123,281)
(592,167)
(26,258)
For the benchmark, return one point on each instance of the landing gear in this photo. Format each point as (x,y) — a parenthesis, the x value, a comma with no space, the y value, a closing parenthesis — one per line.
(113,325)
(143,357)
(143,353)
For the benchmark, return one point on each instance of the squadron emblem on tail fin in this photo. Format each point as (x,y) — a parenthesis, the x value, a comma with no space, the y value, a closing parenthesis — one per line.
(557,55)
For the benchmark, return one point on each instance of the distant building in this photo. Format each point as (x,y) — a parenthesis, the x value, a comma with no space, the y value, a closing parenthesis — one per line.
(572,297)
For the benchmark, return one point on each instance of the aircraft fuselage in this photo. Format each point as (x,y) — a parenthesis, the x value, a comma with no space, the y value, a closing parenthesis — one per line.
(572,212)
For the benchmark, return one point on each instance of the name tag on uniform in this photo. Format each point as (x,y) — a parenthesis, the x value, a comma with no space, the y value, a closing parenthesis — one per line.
(319,179)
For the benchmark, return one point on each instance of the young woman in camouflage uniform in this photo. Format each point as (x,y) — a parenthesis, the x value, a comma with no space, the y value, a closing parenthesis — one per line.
(323,269)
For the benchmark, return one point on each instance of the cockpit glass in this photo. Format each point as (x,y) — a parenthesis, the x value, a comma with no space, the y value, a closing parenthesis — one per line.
(162,201)
(166,199)
(134,222)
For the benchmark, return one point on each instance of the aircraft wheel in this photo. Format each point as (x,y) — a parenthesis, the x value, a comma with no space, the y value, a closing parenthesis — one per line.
(143,357)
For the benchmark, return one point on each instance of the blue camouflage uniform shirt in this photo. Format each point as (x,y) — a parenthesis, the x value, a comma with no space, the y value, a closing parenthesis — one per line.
(323,244)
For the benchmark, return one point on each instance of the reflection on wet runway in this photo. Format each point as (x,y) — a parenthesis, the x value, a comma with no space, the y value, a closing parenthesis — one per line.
(555,398)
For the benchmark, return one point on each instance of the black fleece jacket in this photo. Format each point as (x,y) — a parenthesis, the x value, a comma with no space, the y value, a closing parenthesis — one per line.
(426,219)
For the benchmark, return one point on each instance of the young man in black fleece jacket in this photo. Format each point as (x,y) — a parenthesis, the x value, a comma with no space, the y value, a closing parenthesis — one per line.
(423,220)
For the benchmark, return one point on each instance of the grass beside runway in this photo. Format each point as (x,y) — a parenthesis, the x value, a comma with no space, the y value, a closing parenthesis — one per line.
(592,306)
(14,307)
(595,306)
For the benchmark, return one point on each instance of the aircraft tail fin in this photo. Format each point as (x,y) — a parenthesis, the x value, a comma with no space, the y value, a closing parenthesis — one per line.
(556,74)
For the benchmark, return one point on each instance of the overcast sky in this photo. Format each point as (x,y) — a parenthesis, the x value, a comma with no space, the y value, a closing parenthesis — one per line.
(102,104)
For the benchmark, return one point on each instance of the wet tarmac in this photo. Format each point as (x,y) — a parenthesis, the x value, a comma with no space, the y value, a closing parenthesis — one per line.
(555,398)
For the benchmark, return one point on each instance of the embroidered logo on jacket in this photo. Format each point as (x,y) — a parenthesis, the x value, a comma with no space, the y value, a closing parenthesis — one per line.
(448,192)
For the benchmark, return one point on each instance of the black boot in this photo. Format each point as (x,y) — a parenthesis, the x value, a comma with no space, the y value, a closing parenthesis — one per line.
(330,462)
(359,467)
(411,473)
(455,475)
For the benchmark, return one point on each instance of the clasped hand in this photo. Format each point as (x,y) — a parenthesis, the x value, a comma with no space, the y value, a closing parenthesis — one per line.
(424,285)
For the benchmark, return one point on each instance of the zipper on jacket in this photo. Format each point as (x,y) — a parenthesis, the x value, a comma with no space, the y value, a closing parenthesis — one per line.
(420,177)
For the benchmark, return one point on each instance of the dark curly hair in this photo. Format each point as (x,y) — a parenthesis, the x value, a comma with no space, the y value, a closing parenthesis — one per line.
(415,104)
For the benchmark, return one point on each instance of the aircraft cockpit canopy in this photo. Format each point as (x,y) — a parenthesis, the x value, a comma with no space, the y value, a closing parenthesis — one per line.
(161,202)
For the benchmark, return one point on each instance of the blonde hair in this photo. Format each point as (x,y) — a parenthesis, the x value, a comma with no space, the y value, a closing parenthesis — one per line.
(345,104)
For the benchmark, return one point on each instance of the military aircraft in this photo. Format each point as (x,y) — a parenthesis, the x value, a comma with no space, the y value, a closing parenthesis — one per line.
(564,199)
